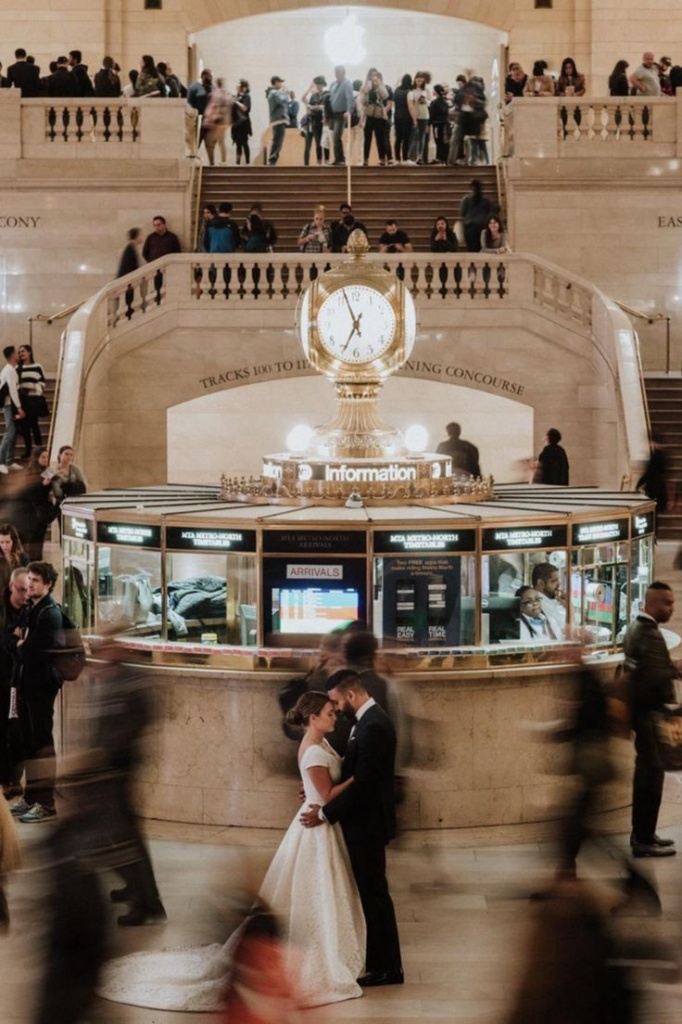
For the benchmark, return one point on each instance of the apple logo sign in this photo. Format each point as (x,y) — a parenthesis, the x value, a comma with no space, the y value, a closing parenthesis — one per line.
(343,43)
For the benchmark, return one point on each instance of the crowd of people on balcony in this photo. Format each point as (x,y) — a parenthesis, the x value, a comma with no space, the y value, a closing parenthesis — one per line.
(650,78)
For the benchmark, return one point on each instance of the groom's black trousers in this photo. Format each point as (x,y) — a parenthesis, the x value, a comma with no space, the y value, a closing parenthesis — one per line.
(368,860)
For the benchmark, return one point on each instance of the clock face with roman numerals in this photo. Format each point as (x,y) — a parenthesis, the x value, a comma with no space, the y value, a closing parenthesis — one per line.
(356,324)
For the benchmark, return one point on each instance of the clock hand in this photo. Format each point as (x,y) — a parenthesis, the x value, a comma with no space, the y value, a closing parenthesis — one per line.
(350,309)
(350,336)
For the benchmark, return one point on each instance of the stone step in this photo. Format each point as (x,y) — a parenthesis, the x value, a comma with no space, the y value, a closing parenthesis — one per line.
(415,196)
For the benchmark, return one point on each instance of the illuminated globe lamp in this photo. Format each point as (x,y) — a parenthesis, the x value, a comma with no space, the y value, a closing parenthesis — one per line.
(357,324)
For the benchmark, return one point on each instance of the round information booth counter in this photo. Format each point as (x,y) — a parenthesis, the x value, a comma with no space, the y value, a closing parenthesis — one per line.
(228,600)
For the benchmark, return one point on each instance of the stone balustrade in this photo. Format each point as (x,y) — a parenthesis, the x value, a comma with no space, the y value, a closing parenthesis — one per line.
(279,279)
(90,128)
(580,126)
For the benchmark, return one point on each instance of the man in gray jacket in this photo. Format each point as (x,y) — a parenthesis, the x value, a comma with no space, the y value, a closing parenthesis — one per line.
(278,108)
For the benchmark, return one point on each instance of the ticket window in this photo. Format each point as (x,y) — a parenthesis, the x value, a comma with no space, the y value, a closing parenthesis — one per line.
(211,598)
(544,615)
(599,591)
(78,581)
(129,587)
(423,600)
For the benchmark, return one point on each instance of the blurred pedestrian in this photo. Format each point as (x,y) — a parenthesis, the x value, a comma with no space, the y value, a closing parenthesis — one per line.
(552,462)
(655,480)
(131,257)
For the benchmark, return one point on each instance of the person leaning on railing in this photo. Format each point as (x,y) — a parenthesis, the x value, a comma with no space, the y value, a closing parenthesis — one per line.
(68,480)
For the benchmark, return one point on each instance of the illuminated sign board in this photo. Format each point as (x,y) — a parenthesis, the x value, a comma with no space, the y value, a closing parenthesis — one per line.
(600,533)
(137,535)
(642,524)
(390,541)
(187,538)
(523,537)
(314,542)
(76,526)
(314,571)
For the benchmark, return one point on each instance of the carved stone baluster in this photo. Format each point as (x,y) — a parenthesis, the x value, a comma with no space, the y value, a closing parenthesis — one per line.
(93,124)
(472,273)
(428,277)
(255,277)
(158,287)
(241,277)
(212,278)
(604,122)
(113,316)
(313,272)
(443,273)
(66,121)
(106,121)
(487,274)
(618,120)
(646,119)
(134,122)
(563,120)
(284,276)
(502,289)
(227,279)
(129,299)
(144,287)
(577,120)
(119,124)
(299,275)
(270,278)
(197,276)
(79,123)
(631,123)
(590,121)
(458,279)
(51,121)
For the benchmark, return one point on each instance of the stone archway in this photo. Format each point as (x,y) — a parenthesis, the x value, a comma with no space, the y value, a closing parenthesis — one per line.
(202,14)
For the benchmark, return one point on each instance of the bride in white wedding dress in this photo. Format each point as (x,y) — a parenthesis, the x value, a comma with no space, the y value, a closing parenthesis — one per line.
(309,885)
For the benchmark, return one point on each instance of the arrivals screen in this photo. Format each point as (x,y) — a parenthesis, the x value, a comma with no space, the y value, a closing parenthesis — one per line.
(315,610)
(304,598)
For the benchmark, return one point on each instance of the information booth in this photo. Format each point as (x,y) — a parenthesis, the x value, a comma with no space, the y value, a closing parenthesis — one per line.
(227,601)
(264,577)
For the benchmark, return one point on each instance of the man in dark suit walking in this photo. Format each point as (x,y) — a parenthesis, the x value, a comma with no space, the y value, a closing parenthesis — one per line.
(24,75)
(366,811)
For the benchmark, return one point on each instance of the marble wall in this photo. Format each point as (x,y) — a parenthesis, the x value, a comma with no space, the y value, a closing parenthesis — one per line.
(217,756)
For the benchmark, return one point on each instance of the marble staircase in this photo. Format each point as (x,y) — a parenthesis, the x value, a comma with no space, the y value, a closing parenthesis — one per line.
(414,196)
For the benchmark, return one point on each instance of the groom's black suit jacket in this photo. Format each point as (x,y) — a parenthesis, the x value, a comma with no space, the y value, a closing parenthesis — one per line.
(366,809)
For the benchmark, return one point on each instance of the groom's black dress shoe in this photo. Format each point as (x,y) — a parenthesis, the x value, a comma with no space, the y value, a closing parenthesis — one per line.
(374,978)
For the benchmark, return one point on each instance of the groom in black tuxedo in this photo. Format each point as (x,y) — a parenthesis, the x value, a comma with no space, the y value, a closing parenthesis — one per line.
(366,811)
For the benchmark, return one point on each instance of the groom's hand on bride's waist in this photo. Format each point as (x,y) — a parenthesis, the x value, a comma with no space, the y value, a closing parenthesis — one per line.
(312,816)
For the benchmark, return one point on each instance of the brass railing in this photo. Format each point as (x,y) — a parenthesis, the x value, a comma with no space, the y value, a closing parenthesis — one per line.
(49,318)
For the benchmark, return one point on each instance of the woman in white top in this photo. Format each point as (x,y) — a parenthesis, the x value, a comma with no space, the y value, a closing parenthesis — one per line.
(493,237)
(309,885)
(421,98)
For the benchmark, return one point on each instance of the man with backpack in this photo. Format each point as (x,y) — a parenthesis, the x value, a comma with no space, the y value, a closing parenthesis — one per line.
(37,684)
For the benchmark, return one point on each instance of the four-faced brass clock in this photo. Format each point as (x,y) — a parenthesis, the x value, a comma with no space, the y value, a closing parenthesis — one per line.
(357,322)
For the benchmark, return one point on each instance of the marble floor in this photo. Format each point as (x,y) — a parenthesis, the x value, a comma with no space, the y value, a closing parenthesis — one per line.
(462,899)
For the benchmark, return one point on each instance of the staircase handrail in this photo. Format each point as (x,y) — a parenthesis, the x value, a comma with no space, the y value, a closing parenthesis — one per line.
(652,318)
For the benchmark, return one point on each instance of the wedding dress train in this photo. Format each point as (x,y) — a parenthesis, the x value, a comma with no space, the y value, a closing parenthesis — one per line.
(310,886)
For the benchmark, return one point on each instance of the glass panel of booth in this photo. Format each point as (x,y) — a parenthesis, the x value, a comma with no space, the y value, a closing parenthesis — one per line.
(424,587)
(523,584)
(600,579)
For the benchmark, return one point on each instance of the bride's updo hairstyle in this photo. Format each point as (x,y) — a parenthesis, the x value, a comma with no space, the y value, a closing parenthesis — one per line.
(310,703)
